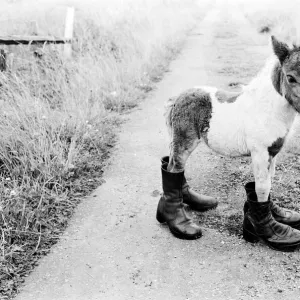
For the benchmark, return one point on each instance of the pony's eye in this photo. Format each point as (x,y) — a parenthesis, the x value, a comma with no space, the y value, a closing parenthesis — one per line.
(291,79)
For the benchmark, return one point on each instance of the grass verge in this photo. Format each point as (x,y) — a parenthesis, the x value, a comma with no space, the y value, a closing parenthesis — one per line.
(58,117)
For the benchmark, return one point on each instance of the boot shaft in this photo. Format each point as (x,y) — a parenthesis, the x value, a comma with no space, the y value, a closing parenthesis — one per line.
(250,187)
(172,183)
(260,212)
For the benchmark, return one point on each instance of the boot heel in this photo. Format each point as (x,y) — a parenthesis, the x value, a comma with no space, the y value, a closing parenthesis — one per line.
(159,217)
(249,232)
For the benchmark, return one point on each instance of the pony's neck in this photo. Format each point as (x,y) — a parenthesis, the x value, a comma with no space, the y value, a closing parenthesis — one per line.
(267,96)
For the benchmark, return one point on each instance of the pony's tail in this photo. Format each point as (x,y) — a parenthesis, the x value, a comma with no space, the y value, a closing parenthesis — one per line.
(169,106)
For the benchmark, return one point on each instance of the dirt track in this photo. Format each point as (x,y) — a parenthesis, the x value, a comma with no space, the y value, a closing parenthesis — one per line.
(115,249)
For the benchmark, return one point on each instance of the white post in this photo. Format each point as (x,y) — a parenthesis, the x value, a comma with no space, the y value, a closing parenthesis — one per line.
(34,28)
(69,21)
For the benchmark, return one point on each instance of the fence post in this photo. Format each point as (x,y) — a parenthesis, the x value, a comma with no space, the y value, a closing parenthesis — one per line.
(69,21)
(34,28)
(2,60)
(36,49)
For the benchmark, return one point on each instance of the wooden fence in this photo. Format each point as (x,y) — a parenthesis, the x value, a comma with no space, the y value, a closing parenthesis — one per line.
(38,40)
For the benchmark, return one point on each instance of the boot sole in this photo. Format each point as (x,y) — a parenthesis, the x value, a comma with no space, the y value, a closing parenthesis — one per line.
(202,209)
(250,236)
(182,236)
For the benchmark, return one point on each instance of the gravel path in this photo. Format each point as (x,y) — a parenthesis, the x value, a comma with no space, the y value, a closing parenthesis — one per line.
(115,249)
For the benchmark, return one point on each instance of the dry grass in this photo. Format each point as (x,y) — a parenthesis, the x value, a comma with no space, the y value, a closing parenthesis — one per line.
(57,116)
(280,17)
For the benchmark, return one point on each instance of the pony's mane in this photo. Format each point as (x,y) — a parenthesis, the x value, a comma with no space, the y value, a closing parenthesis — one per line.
(263,77)
(260,91)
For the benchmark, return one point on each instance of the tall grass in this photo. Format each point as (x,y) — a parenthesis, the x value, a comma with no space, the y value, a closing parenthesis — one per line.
(57,115)
(281,17)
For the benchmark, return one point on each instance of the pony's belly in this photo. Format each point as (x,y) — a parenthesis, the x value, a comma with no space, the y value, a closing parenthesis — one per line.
(227,138)
(227,149)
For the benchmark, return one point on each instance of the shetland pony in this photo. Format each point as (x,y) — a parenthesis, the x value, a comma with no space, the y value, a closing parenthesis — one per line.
(255,122)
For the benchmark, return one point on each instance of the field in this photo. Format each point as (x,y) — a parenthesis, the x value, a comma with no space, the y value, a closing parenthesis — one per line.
(59,118)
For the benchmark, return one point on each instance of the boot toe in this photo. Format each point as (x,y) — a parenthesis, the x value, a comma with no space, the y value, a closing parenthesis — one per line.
(289,243)
(286,216)
(198,201)
(293,216)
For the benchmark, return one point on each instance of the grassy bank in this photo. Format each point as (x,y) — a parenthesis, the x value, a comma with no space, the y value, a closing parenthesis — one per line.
(58,116)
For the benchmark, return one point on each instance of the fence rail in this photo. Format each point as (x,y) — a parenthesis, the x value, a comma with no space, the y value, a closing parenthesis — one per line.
(38,40)
(31,40)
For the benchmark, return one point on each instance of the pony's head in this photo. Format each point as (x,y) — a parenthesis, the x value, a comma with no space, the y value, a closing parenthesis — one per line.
(289,59)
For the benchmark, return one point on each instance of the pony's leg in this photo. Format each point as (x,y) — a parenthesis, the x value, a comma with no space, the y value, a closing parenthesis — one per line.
(180,151)
(183,144)
(262,169)
(272,166)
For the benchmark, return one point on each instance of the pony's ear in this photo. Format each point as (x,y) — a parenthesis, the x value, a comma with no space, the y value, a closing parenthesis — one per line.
(281,50)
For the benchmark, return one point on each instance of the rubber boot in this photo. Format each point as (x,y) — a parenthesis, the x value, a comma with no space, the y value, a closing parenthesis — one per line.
(171,209)
(259,224)
(193,199)
(281,215)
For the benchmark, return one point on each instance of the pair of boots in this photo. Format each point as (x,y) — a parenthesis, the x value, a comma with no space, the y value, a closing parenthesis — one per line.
(266,221)
(172,205)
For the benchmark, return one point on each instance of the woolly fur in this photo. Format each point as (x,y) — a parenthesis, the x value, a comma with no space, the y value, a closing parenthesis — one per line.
(258,117)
